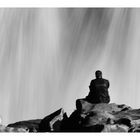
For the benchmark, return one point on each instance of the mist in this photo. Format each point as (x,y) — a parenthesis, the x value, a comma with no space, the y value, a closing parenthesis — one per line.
(48,56)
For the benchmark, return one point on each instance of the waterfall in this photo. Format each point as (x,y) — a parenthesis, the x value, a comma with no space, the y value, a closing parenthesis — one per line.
(48,57)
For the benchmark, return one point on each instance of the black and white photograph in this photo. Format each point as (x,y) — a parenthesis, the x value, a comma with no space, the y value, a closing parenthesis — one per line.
(69,69)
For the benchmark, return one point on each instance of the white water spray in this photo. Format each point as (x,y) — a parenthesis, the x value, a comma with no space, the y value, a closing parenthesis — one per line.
(49,56)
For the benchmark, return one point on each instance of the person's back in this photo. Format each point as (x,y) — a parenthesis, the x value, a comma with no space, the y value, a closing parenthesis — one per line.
(98,89)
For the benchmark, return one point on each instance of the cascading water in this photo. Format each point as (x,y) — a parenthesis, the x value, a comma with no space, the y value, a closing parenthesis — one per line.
(48,57)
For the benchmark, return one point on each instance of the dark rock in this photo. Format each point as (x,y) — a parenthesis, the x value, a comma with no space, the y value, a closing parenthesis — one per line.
(74,122)
(124,107)
(94,128)
(124,121)
(64,123)
(134,129)
(31,125)
(52,122)
(137,130)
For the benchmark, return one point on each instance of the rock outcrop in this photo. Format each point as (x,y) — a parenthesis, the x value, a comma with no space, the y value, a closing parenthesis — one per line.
(53,122)
(29,126)
(87,117)
(109,117)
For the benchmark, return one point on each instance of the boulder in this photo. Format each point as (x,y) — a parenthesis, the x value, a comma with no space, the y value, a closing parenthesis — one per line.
(84,106)
(52,122)
(114,118)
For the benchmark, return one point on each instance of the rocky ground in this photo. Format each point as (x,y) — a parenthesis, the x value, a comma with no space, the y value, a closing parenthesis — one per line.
(86,118)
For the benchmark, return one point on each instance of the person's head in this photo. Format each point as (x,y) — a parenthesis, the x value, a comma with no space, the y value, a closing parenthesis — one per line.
(98,74)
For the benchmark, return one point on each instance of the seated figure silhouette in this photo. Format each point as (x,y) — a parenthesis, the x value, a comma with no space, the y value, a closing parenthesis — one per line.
(98,89)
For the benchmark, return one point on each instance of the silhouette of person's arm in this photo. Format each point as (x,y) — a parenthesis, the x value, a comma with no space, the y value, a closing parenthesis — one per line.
(91,85)
(108,84)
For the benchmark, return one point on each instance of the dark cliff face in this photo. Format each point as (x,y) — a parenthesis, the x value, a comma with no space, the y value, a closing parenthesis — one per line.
(86,118)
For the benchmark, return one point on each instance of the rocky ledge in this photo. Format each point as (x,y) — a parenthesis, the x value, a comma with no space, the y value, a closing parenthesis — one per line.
(86,118)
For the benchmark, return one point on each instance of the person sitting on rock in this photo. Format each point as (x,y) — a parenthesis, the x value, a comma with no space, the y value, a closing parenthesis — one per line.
(98,89)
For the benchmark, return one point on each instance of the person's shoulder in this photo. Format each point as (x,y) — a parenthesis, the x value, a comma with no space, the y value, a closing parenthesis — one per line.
(93,80)
(105,80)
